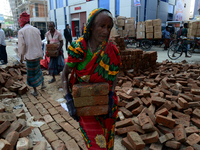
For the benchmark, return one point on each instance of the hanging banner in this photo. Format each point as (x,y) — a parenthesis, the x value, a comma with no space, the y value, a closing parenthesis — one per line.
(179,10)
(137,3)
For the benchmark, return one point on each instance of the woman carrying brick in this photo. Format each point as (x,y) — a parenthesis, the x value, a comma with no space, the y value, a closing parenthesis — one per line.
(56,64)
(93,59)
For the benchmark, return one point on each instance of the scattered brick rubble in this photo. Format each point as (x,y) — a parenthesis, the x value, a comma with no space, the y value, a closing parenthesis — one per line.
(160,108)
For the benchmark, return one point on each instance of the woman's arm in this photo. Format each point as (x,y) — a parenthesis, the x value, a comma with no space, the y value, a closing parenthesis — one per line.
(114,84)
(65,82)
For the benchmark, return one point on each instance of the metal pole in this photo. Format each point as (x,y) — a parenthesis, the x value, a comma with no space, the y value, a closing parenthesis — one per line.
(138,14)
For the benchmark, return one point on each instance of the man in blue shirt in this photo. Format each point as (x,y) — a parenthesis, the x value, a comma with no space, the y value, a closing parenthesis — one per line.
(166,35)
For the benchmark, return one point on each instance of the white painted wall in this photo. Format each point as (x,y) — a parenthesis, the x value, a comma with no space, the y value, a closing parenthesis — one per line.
(112,7)
(125,8)
(75,2)
(186,11)
(91,6)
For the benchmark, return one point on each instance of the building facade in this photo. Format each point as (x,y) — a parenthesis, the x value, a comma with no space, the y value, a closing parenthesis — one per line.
(75,12)
(37,10)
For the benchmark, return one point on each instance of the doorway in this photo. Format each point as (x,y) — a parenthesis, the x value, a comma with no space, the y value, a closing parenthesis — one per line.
(74,24)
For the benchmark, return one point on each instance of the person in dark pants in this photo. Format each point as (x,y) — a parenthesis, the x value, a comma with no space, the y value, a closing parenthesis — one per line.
(166,35)
(3,53)
(68,36)
(77,32)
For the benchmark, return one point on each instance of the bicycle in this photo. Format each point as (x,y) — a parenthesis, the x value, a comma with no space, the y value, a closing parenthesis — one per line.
(177,47)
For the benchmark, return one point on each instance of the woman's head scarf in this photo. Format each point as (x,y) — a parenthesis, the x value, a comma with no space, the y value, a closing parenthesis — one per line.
(24,18)
(91,18)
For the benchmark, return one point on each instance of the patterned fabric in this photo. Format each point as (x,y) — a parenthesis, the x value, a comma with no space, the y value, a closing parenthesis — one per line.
(57,37)
(104,65)
(24,18)
(56,64)
(34,73)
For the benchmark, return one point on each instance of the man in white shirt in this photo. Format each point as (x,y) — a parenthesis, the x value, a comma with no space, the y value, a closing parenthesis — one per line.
(30,49)
(3,53)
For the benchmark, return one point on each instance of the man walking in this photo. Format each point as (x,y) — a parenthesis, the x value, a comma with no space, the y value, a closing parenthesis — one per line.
(167,37)
(30,49)
(68,36)
(3,53)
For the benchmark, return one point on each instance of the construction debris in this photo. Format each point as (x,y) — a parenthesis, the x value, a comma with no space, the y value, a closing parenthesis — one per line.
(160,107)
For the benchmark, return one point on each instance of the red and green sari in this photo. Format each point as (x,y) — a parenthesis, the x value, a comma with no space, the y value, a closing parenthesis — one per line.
(102,66)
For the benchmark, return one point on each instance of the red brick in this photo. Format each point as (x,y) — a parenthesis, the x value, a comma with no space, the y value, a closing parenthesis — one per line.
(22,90)
(146,93)
(187,98)
(145,101)
(39,106)
(50,135)
(58,145)
(168,122)
(47,105)
(135,140)
(180,115)
(180,134)
(60,109)
(86,90)
(44,127)
(122,103)
(157,101)
(43,111)
(148,127)
(188,148)
(163,112)
(132,105)
(126,112)
(166,137)
(192,129)
(164,84)
(25,132)
(2,81)
(66,126)
(127,144)
(155,146)
(185,123)
(150,114)
(4,126)
(151,85)
(196,112)
(138,129)
(92,110)
(124,123)
(58,118)
(183,103)
(75,134)
(29,105)
(124,96)
(53,111)
(55,127)
(4,145)
(54,103)
(124,130)
(12,138)
(193,139)
(188,111)
(166,91)
(48,118)
(15,126)
(23,143)
(196,122)
(174,91)
(150,137)
(193,104)
(63,136)
(82,145)
(179,108)
(138,110)
(7,117)
(143,119)
(195,91)
(173,144)
(66,116)
(41,145)
(71,144)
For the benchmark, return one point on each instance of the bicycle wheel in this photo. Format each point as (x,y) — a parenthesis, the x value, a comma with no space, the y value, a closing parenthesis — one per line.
(146,45)
(174,51)
(173,42)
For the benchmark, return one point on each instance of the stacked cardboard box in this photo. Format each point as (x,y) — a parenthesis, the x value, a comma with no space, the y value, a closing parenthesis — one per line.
(121,24)
(149,29)
(194,29)
(129,27)
(157,29)
(140,30)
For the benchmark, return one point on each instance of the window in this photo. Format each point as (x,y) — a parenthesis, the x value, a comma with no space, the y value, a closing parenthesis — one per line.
(67,2)
(36,10)
(51,5)
(104,4)
(117,7)
(165,1)
(59,3)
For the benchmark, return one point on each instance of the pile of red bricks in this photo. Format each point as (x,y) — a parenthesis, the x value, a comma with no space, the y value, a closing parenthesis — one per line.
(11,81)
(13,130)
(136,59)
(160,108)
